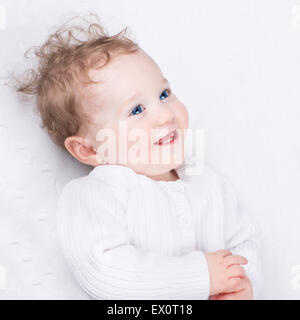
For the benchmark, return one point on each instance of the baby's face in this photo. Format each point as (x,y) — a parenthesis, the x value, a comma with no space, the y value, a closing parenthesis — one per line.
(134,104)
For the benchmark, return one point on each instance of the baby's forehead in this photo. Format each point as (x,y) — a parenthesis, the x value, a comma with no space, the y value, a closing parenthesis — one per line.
(121,71)
(123,65)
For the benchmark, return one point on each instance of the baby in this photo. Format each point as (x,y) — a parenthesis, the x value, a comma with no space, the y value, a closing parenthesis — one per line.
(136,227)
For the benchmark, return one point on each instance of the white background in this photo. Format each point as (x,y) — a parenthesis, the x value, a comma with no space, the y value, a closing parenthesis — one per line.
(235,65)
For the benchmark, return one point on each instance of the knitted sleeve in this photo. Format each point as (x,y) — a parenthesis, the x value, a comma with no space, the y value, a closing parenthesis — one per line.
(91,226)
(242,236)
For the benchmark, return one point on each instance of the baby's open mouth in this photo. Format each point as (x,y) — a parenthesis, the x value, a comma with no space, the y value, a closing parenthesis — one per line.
(169,138)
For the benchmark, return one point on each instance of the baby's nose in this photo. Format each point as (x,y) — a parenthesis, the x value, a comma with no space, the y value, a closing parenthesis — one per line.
(165,115)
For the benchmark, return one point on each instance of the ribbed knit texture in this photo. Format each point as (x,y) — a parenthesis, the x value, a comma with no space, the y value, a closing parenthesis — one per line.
(126,236)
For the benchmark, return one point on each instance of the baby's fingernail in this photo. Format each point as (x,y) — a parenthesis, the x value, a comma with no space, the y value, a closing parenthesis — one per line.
(246,260)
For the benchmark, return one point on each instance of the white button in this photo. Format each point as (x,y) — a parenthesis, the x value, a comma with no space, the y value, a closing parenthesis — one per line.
(184,220)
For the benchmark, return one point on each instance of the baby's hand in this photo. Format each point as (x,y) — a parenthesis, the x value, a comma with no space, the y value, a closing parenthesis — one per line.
(224,270)
(243,291)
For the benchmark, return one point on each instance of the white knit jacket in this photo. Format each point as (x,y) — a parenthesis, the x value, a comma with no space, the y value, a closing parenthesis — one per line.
(127,236)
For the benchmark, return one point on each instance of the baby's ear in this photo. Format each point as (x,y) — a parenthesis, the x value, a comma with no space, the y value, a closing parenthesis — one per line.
(84,153)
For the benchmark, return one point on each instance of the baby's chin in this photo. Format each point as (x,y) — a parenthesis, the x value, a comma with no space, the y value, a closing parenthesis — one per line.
(154,170)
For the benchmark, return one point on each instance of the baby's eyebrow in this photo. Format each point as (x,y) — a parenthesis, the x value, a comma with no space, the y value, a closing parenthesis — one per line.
(133,97)
(130,99)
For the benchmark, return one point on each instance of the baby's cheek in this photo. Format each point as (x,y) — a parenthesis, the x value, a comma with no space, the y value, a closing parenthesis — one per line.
(138,147)
(183,116)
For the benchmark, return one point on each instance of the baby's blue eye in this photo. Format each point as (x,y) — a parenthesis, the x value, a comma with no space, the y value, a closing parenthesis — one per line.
(136,110)
(165,92)
(139,109)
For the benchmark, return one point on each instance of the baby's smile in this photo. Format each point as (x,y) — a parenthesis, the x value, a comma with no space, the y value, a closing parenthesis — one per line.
(170,138)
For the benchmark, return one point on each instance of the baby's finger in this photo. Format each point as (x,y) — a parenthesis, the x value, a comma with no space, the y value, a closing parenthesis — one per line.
(235,259)
(224,252)
(235,284)
(236,271)
(232,284)
(227,296)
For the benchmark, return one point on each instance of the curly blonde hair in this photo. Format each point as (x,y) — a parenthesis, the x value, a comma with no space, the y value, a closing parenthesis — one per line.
(61,73)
